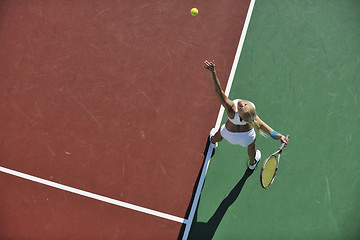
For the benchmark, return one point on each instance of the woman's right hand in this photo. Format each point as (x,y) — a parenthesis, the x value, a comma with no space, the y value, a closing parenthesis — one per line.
(285,140)
(209,66)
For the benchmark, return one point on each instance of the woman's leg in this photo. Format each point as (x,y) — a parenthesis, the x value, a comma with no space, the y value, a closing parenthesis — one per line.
(214,138)
(252,152)
(217,137)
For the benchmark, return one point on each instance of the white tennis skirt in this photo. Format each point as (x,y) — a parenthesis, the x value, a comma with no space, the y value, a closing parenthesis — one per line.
(238,138)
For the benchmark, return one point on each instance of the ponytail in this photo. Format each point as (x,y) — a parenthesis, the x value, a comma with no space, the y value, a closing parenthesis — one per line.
(256,125)
(250,115)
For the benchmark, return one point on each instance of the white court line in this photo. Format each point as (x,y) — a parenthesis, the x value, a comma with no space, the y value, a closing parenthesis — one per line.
(93,195)
(218,121)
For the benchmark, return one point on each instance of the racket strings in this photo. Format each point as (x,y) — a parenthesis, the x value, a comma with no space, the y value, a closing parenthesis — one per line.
(269,171)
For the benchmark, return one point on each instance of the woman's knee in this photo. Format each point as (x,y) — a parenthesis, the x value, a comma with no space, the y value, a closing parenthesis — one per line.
(217,137)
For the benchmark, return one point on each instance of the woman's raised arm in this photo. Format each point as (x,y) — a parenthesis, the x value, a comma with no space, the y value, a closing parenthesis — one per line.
(224,100)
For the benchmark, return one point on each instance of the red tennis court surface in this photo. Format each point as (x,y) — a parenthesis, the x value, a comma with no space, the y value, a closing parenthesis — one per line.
(108,97)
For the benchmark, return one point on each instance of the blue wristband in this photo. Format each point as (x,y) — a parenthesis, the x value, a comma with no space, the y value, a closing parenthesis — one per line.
(273,133)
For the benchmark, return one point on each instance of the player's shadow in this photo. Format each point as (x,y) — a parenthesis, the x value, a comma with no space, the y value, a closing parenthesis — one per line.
(206,230)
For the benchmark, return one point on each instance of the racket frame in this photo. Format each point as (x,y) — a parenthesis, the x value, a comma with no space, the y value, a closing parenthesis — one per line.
(278,153)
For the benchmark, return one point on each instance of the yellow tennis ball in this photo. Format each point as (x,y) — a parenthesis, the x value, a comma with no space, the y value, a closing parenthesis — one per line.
(194,11)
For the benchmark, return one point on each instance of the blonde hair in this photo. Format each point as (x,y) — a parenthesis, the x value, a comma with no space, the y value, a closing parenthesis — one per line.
(249,117)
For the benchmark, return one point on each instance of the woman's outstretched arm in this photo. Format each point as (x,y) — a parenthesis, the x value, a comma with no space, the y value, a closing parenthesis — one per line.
(224,100)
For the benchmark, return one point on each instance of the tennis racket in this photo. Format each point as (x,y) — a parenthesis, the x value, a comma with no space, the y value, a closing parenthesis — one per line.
(270,167)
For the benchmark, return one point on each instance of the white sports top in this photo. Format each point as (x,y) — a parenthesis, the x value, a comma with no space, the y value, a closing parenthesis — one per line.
(237,120)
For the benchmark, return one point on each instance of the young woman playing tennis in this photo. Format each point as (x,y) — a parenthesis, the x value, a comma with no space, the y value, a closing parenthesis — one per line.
(242,119)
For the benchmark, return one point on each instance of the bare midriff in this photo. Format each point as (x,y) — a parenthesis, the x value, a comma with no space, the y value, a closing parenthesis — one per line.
(237,128)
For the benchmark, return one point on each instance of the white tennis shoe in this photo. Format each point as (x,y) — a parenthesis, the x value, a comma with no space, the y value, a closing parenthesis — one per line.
(212,133)
(257,160)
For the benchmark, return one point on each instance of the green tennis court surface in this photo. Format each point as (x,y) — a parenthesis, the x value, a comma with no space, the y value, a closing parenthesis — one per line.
(300,66)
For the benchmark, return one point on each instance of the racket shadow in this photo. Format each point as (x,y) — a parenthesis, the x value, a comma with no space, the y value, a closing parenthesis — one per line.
(202,230)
